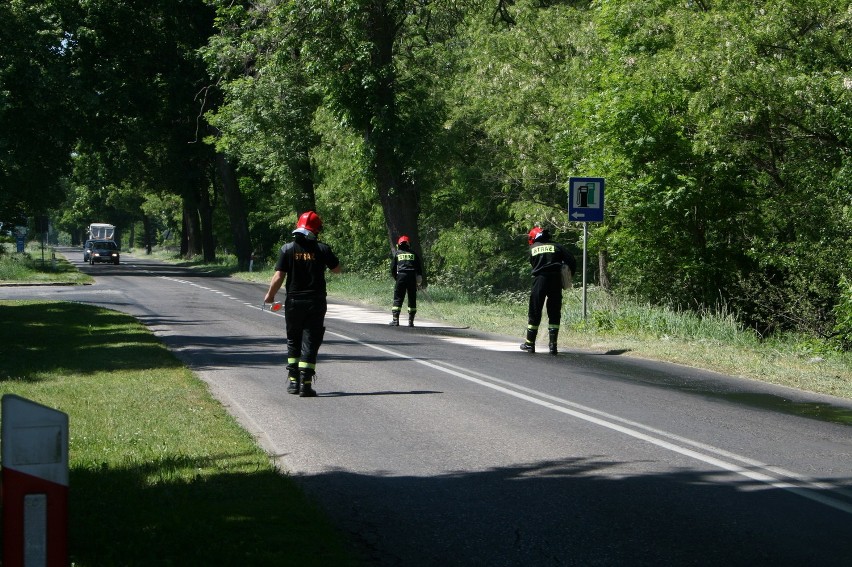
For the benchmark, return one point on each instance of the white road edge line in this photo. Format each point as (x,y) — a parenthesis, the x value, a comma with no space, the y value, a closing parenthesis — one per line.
(778,471)
(557,404)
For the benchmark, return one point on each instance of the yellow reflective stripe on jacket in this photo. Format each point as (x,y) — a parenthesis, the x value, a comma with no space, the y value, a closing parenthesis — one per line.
(543,249)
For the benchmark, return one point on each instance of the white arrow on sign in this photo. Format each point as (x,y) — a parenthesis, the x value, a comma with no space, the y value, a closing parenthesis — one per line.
(575,214)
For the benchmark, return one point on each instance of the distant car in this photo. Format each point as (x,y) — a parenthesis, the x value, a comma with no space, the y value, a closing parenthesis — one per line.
(101,251)
(87,248)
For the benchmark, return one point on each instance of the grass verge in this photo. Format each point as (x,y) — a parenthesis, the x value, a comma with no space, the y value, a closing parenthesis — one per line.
(38,267)
(160,474)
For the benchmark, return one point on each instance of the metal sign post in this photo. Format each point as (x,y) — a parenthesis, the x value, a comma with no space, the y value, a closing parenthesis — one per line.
(585,239)
(585,205)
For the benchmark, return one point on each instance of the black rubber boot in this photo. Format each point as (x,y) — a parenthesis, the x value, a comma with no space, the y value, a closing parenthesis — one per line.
(529,344)
(293,385)
(395,321)
(411,319)
(553,335)
(307,380)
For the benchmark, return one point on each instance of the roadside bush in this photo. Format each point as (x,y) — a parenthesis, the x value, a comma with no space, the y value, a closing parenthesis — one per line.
(842,337)
(477,260)
(15,267)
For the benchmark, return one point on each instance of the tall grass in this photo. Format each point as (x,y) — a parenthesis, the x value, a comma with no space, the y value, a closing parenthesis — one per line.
(17,267)
(609,315)
(30,267)
(606,315)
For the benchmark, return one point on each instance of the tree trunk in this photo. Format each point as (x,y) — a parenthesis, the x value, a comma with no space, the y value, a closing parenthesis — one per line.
(303,175)
(398,193)
(191,241)
(400,202)
(236,209)
(205,209)
(146,228)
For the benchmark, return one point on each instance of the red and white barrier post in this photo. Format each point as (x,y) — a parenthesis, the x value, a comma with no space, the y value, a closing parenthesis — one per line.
(35,484)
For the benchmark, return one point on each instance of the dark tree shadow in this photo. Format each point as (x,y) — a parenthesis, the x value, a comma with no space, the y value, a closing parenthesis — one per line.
(564,512)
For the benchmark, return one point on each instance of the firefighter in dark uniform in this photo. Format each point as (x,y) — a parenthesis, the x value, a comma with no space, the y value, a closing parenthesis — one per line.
(302,263)
(407,271)
(546,258)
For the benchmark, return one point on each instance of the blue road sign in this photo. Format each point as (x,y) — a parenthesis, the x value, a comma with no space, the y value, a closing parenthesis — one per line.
(586,199)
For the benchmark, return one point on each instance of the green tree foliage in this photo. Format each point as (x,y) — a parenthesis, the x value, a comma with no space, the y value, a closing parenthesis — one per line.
(780,106)
(722,129)
(37,127)
(842,335)
(269,102)
(350,203)
(264,121)
(516,73)
(145,92)
(371,65)
(373,59)
(670,211)
(727,126)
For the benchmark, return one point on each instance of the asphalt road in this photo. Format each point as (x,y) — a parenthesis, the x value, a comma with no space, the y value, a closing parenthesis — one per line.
(441,446)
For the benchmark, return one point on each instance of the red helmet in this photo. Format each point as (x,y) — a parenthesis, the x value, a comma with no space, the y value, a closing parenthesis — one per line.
(535,234)
(310,221)
(403,240)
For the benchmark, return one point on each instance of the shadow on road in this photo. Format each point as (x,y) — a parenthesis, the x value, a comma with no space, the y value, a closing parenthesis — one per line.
(567,512)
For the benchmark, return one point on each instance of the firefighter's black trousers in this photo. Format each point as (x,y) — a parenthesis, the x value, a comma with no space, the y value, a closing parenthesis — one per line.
(305,320)
(546,286)
(406,282)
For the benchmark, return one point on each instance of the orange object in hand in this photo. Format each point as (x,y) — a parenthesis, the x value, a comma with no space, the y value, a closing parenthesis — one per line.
(276,306)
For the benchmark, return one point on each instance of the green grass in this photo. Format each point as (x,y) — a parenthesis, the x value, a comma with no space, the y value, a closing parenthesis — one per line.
(160,474)
(37,266)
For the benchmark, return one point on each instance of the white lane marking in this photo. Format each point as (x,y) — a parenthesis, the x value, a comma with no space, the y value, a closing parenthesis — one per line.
(790,481)
(485,344)
(259,307)
(797,484)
